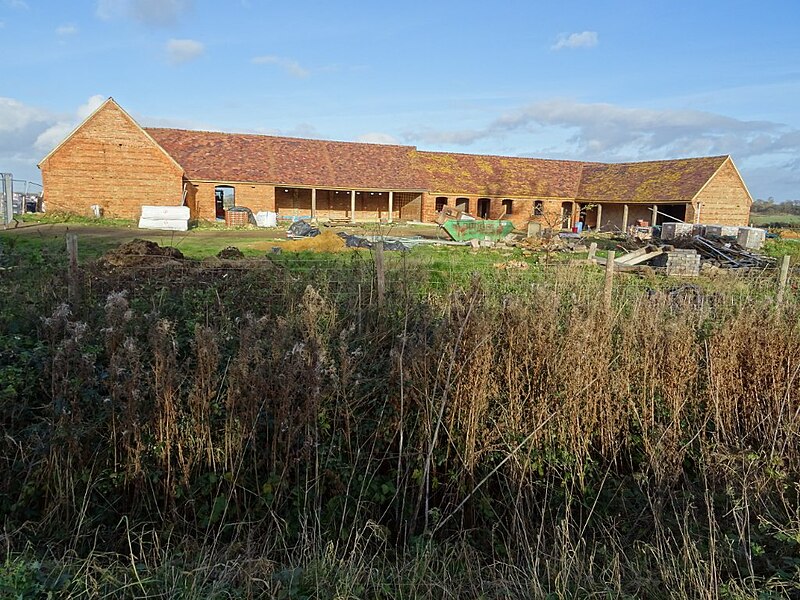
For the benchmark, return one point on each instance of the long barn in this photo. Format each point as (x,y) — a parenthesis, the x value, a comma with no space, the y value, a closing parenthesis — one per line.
(111,161)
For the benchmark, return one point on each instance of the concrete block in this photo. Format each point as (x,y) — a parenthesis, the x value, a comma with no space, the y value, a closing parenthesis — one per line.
(726,231)
(671,231)
(751,237)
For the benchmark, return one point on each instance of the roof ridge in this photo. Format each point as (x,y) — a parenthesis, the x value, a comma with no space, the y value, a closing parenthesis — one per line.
(559,160)
(279,137)
(661,160)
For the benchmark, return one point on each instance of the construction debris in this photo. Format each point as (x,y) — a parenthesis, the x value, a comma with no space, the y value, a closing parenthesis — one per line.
(640,256)
(727,254)
(355,241)
(513,264)
(301,229)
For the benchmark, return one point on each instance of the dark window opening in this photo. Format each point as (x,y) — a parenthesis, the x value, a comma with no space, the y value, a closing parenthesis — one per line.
(462,204)
(538,208)
(508,205)
(671,213)
(484,208)
(441,202)
(224,198)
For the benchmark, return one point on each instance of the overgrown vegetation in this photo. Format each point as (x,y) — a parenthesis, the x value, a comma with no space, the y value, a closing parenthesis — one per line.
(269,429)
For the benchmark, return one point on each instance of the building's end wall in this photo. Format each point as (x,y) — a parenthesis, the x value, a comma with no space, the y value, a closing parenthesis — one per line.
(111,162)
(723,201)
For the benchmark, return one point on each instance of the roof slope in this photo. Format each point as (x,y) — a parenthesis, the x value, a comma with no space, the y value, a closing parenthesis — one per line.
(656,181)
(213,156)
(237,157)
(498,175)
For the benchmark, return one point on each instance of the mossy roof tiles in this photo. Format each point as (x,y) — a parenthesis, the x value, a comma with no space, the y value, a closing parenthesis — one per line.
(232,157)
(652,182)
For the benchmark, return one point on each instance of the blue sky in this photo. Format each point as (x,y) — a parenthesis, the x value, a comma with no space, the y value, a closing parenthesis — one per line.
(608,80)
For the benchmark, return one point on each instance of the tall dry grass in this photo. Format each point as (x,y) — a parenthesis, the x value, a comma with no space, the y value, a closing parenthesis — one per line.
(443,445)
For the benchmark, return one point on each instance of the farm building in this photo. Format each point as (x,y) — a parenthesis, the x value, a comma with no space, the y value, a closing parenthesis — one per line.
(110,161)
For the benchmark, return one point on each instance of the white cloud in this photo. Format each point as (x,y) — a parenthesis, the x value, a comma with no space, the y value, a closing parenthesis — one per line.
(27,133)
(61,128)
(606,131)
(16,116)
(612,133)
(292,67)
(159,13)
(584,39)
(66,30)
(183,51)
(376,137)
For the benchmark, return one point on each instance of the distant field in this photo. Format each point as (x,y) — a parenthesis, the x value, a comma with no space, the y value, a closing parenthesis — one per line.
(766,219)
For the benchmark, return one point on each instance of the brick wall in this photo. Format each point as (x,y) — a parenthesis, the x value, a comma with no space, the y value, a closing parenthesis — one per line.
(724,200)
(110,161)
(522,208)
(255,196)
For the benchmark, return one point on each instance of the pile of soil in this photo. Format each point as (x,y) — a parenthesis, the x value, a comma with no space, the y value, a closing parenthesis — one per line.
(141,253)
(230,253)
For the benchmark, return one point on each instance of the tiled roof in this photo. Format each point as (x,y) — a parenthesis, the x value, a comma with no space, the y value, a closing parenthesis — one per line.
(498,175)
(657,181)
(232,157)
(214,156)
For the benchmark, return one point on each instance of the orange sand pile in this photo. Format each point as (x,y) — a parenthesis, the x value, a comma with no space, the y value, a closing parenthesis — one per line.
(327,241)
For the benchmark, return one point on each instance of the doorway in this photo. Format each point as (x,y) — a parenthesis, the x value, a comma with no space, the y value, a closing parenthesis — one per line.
(224,198)
(484,208)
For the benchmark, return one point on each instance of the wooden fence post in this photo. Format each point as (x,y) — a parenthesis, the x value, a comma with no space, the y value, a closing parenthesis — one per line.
(609,283)
(380,272)
(783,278)
(72,277)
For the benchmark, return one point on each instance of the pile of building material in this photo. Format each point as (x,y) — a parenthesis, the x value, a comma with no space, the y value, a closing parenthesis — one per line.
(722,231)
(679,262)
(752,238)
(266,219)
(301,229)
(729,255)
(673,231)
(170,218)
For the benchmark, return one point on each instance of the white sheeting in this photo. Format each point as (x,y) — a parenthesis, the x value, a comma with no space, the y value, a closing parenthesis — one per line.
(165,212)
(168,224)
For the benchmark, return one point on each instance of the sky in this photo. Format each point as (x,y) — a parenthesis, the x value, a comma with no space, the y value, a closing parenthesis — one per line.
(604,80)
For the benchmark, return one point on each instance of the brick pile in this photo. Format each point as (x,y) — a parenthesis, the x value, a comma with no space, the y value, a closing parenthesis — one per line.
(680,262)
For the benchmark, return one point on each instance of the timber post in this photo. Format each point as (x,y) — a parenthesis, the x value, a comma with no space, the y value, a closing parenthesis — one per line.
(783,278)
(609,282)
(380,273)
(72,277)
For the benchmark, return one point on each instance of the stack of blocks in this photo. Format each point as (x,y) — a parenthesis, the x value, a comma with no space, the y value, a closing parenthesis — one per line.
(671,231)
(726,231)
(680,263)
(751,238)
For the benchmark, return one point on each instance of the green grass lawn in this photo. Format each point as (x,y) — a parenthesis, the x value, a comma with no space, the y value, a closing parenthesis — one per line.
(761,220)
